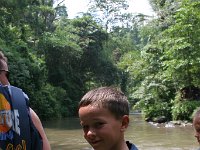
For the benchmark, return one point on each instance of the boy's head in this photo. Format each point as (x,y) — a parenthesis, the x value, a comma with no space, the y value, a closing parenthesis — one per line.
(104,116)
(4,74)
(196,124)
(3,62)
(109,98)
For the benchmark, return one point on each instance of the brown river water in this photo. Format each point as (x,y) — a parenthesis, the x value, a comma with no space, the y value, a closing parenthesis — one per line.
(66,134)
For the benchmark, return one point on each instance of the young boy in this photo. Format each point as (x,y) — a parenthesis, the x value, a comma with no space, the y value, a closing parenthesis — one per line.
(104,117)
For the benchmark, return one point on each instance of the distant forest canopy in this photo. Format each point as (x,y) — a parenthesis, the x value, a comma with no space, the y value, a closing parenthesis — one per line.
(153,59)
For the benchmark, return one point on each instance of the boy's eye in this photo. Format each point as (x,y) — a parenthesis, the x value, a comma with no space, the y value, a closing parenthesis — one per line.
(98,124)
(85,127)
(198,130)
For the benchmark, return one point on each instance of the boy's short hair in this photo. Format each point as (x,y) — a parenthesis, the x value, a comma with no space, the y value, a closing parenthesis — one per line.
(110,98)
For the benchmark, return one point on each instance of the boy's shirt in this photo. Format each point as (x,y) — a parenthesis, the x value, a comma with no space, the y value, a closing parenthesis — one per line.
(131,146)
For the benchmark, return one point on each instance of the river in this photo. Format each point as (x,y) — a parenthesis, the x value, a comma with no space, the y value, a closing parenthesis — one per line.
(66,134)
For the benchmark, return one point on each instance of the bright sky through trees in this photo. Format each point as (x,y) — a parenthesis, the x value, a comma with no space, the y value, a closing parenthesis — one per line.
(135,6)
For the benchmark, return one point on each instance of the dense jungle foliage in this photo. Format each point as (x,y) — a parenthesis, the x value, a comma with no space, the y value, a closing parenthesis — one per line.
(155,60)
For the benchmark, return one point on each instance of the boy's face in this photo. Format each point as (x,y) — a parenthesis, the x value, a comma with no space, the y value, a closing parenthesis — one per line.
(101,129)
(196,124)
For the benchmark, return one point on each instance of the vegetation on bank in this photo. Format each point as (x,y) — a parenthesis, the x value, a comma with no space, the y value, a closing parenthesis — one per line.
(154,59)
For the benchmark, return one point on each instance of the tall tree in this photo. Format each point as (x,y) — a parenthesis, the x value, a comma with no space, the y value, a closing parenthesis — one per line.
(181,44)
(165,9)
(109,11)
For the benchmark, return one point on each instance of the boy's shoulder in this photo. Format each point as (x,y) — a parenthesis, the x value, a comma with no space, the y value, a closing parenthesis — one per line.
(131,146)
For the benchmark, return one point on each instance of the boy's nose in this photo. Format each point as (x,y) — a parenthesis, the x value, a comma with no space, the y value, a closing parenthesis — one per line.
(197,135)
(91,133)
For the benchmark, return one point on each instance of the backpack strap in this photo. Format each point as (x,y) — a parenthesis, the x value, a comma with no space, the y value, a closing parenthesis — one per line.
(22,124)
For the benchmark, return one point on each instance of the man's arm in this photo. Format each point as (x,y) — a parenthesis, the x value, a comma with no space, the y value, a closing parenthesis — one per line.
(38,125)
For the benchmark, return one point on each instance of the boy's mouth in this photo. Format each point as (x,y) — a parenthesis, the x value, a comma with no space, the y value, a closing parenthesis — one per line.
(95,142)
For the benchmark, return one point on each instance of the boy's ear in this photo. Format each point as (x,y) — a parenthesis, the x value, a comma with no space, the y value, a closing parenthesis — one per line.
(125,122)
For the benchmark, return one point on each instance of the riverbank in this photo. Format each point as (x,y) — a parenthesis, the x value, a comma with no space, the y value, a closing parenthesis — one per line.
(162,121)
(171,124)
